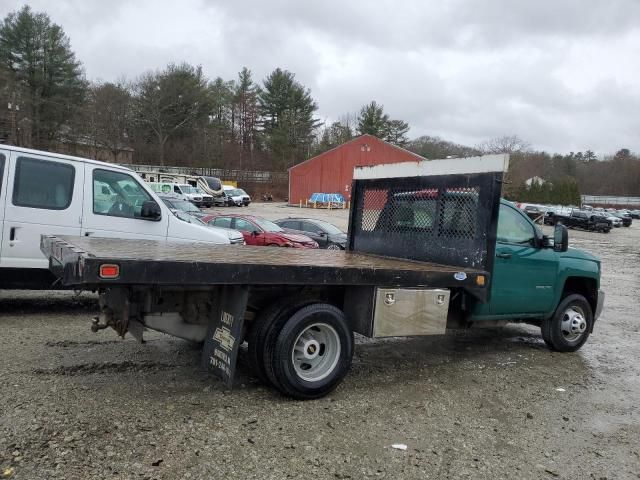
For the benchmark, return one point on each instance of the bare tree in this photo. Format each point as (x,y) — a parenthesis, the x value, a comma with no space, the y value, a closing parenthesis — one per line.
(504,144)
(170,102)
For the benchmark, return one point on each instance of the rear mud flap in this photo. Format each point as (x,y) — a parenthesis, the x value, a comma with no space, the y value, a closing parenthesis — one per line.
(224,334)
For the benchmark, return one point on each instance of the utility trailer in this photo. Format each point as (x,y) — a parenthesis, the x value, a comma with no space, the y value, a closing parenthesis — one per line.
(420,250)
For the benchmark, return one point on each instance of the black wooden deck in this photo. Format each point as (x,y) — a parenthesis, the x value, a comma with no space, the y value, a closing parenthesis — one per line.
(144,262)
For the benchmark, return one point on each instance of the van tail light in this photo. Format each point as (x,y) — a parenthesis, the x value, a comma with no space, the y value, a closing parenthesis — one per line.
(109,271)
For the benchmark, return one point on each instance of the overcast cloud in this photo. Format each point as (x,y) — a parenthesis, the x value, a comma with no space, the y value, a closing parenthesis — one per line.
(561,74)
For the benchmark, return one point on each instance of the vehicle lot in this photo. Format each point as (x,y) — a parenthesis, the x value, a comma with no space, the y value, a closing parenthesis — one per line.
(477,404)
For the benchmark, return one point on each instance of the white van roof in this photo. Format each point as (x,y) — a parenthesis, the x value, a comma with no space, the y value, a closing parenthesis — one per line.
(53,155)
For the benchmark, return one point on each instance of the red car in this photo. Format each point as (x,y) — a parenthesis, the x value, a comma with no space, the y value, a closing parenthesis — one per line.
(259,231)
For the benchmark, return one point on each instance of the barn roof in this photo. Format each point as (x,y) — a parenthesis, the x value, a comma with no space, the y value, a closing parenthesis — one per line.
(366,136)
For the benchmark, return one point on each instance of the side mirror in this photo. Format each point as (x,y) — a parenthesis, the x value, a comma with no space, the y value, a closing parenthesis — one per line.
(151,211)
(560,238)
(255,233)
(322,234)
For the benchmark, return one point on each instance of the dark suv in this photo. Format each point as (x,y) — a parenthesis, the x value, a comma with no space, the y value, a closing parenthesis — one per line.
(327,235)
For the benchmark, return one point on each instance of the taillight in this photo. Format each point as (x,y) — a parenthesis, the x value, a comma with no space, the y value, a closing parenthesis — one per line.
(109,271)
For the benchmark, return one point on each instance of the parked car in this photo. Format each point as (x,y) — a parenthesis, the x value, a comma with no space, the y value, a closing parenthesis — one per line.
(534,211)
(47,193)
(184,191)
(259,231)
(615,221)
(626,219)
(583,220)
(207,200)
(327,235)
(232,196)
(635,214)
(235,237)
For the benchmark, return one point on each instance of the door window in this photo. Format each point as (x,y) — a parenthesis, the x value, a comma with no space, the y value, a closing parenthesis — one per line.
(126,195)
(245,226)
(292,224)
(513,227)
(43,184)
(224,222)
(310,227)
(176,189)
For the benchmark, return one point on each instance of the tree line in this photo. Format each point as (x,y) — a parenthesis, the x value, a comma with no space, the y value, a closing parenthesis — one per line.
(171,116)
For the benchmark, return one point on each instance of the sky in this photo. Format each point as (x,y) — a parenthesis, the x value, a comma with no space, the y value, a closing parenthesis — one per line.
(561,74)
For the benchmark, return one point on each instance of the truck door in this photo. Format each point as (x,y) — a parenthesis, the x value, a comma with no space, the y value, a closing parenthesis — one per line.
(524,276)
(113,204)
(43,195)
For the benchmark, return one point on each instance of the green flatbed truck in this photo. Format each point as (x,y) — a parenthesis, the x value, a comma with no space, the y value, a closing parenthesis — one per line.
(431,246)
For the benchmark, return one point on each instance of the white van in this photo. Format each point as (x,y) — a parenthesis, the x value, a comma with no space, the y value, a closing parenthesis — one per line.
(47,193)
(184,191)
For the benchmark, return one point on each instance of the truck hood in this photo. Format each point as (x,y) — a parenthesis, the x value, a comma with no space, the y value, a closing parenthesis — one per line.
(580,255)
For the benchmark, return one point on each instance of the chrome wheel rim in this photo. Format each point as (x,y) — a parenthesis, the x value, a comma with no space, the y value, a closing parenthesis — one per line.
(316,352)
(574,324)
(333,246)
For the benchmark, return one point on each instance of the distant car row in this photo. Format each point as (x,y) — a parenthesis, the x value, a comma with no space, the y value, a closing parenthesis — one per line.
(231,196)
(586,218)
(254,230)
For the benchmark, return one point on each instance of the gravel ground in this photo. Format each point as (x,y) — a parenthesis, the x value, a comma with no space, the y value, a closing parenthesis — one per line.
(492,403)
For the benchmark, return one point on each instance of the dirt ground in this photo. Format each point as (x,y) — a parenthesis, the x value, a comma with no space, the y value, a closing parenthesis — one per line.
(494,404)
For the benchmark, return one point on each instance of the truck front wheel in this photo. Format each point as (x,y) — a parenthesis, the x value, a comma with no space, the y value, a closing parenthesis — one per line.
(312,353)
(569,327)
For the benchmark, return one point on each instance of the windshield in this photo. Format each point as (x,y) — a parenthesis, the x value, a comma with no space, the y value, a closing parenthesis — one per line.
(235,192)
(267,226)
(185,217)
(188,189)
(213,182)
(329,228)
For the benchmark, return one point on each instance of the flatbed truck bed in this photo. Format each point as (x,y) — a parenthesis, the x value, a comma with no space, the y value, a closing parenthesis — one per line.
(420,249)
(148,262)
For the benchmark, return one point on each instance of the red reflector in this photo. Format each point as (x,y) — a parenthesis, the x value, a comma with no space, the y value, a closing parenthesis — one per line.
(109,270)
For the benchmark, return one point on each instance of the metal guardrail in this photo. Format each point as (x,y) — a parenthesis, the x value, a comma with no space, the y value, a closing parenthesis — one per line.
(257,176)
(610,200)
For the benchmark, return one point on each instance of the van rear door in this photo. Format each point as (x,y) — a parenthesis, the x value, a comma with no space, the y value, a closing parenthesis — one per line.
(43,195)
(119,213)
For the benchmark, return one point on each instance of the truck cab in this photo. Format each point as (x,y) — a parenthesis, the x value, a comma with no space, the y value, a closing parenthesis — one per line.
(533,276)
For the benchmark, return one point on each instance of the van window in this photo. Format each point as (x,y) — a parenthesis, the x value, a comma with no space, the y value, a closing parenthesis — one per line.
(176,189)
(43,184)
(166,188)
(125,198)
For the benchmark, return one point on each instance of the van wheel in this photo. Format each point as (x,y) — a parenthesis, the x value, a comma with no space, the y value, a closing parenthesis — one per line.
(261,331)
(312,352)
(569,327)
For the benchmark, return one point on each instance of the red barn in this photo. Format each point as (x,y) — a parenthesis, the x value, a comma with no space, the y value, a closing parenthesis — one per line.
(332,171)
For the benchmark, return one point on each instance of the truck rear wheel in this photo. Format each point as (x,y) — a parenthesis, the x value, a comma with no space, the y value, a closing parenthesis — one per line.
(312,352)
(261,332)
(569,327)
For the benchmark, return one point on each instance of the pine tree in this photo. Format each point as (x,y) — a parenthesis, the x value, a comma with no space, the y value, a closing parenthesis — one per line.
(373,121)
(287,112)
(46,75)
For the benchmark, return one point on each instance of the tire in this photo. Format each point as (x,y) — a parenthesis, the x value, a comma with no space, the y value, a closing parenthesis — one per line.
(575,315)
(334,246)
(324,342)
(272,245)
(261,329)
